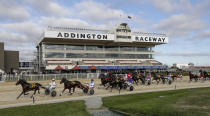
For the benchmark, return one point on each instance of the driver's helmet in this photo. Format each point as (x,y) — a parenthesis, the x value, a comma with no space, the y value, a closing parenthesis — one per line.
(53,79)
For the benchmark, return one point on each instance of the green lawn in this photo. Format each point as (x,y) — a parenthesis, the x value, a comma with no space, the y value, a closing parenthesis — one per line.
(188,102)
(73,108)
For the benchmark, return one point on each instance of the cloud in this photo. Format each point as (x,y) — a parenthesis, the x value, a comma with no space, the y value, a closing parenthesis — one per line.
(49,8)
(184,54)
(18,42)
(21,36)
(166,5)
(202,35)
(63,22)
(96,11)
(30,30)
(27,54)
(69,22)
(13,39)
(186,6)
(179,25)
(10,10)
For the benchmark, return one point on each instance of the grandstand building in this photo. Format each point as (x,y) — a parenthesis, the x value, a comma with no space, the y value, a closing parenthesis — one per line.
(90,50)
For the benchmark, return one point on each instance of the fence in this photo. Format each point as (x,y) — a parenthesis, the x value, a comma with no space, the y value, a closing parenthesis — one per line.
(39,77)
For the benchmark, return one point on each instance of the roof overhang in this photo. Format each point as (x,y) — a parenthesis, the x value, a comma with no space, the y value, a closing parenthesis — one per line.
(96,42)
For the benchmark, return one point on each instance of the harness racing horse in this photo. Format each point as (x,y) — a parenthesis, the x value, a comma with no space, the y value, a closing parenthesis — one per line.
(163,78)
(115,81)
(142,78)
(104,79)
(70,84)
(192,76)
(28,87)
(111,79)
(155,77)
(206,75)
(135,78)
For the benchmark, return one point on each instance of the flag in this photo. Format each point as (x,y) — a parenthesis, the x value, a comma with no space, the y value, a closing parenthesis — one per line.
(129,17)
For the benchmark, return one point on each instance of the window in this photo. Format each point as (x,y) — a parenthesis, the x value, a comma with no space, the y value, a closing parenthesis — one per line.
(54,47)
(100,48)
(112,55)
(74,47)
(142,56)
(142,49)
(54,55)
(124,37)
(118,30)
(74,55)
(111,48)
(117,56)
(127,48)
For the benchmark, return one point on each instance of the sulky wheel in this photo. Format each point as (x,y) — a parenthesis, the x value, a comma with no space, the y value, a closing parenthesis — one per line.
(92,91)
(170,82)
(85,90)
(53,93)
(47,91)
(131,88)
(125,86)
(149,83)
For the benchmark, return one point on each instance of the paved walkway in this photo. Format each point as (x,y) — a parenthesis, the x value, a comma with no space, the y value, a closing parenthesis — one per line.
(94,102)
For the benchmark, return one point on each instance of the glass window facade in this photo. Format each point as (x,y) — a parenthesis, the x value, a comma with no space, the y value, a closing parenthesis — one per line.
(54,55)
(127,48)
(142,49)
(26,64)
(74,47)
(54,47)
(111,48)
(73,55)
(124,37)
(94,48)
(100,55)
(123,30)
(97,47)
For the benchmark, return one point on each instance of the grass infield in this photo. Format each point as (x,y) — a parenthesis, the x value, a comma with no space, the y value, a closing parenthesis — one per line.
(187,102)
(73,108)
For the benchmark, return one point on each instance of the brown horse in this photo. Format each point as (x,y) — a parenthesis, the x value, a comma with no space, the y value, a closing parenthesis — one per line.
(193,76)
(70,84)
(29,87)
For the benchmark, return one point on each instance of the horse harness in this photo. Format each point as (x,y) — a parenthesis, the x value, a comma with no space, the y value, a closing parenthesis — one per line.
(73,82)
(33,85)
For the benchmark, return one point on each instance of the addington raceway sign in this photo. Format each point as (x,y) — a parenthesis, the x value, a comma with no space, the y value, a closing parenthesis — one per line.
(76,35)
(97,36)
(155,39)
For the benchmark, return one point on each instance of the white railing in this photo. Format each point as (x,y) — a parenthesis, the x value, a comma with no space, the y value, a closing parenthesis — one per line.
(40,77)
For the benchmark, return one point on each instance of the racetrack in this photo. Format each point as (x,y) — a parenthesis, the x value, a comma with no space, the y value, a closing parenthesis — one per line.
(9,91)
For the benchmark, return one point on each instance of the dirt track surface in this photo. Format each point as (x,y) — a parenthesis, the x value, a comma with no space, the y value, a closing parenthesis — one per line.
(9,91)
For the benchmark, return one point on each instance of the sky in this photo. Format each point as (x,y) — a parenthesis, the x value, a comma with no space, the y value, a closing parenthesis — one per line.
(185,22)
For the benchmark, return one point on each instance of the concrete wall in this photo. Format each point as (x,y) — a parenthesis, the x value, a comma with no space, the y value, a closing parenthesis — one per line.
(2,56)
(11,60)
